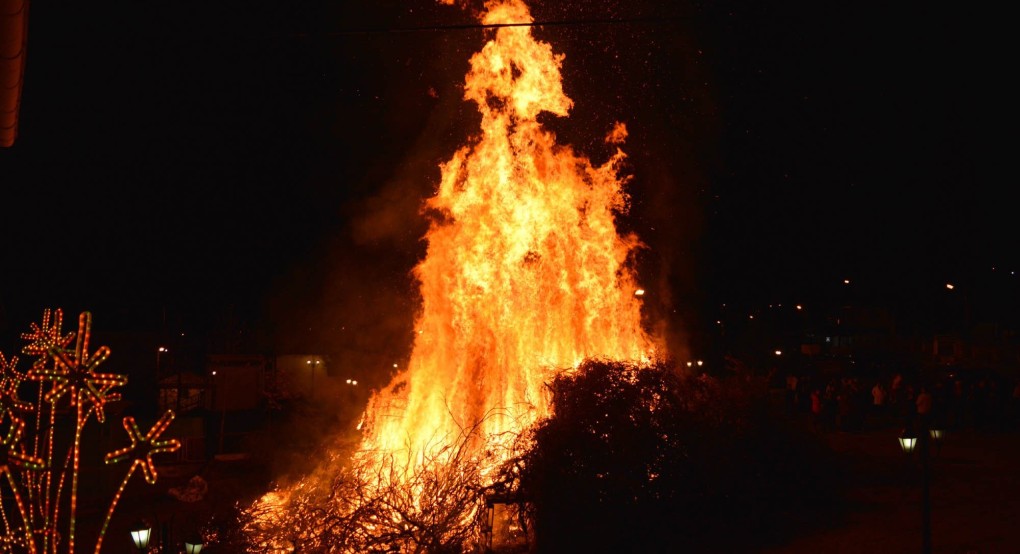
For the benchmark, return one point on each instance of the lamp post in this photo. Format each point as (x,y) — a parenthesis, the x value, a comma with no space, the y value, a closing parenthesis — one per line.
(140,533)
(193,545)
(159,352)
(921,442)
(313,364)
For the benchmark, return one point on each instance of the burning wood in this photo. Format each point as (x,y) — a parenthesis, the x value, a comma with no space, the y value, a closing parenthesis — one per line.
(525,274)
(525,277)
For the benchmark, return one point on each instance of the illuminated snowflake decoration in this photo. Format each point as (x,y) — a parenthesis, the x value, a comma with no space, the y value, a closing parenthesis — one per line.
(9,454)
(46,337)
(143,447)
(76,374)
(10,380)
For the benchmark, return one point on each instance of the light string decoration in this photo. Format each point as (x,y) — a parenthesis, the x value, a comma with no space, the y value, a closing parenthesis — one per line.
(141,450)
(39,513)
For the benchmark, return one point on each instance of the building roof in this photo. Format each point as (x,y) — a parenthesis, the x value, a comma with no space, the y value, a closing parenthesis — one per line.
(13,43)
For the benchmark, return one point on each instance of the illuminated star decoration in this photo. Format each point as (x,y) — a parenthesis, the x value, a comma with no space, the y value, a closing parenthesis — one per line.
(9,454)
(10,380)
(77,374)
(46,337)
(143,447)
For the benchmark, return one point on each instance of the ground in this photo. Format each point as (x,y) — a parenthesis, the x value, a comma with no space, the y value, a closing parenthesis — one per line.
(975,497)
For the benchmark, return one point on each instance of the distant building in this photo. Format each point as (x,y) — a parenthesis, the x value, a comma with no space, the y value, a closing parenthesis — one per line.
(239,382)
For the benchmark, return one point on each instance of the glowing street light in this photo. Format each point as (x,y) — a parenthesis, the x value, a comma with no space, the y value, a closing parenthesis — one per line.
(193,545)
(921,443)
(159,352)
(313,364)
(140,534)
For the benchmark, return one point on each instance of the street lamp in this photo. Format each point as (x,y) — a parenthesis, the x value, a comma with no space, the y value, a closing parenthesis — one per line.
(193,545)
(159,351)
(921,443)
(313,364)
(140,533)
(907,443)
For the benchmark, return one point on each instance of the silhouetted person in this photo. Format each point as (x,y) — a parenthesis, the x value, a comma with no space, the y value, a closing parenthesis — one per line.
(791,393)
(940,400)
(980,403)
(924,403)
(878,401)
(1015,405)
(816,410)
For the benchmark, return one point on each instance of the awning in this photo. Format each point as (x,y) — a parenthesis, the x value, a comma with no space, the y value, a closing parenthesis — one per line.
(13,41)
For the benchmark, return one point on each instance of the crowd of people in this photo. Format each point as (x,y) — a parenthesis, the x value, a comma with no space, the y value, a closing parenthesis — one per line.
(952,402)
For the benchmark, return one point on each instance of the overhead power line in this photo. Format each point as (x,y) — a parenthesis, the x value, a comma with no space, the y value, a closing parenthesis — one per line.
(471,26)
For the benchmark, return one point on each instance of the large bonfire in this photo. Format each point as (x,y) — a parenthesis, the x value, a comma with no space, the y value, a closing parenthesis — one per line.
(525,277)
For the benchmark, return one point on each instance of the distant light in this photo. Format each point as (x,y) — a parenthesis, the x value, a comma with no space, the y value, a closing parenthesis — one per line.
(354,382)
(700,363)
(718,322)
(799,307)
(950,286)
(214,373)
(779,352)
(751,316)
(846,281)
(348,381)
(163,349)
(689,364)
(394,365)
(639,292)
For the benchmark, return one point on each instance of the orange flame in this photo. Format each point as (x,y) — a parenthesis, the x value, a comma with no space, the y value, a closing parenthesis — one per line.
(525,274)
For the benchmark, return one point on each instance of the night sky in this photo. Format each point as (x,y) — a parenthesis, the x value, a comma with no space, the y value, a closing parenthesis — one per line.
(204,165)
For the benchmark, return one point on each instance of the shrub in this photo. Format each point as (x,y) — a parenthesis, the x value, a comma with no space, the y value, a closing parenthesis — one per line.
(646,459)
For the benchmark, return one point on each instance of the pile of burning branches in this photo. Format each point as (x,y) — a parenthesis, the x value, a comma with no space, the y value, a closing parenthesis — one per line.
(377,503)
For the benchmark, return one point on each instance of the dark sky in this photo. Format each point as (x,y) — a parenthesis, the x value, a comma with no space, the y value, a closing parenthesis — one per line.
(226,162)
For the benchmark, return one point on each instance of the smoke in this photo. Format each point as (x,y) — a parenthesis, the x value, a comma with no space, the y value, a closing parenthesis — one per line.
(353,298)
(650,75)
